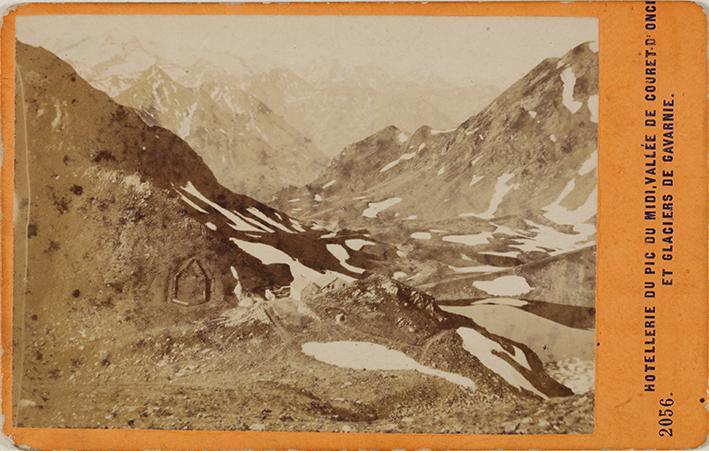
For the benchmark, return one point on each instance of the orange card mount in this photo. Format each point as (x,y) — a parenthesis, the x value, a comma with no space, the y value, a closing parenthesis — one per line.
(354,225)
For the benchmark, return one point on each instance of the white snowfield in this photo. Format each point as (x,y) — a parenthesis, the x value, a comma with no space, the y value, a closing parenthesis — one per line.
(481,347)
(342,256)
(470,240)
(374,208)
(546,237)
(362,355)
(421,235)
(504,286)
(356,243)
(501,190)
(302,275)
(567,95)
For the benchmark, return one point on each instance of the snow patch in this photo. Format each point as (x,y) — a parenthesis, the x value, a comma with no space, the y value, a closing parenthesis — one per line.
(593,107)
(403,157)
(329,184)
(441,171)
(504,286)
(374,208)
(438,132)
(342,256)
(590,164)
(532,114)
(296,225)
(262,216)
(567,95)
(577,217)
(487,352)
(549,238)
(398,275)
(189,202)
(210,226)
(356,244)
(237,223)
(421,235)
(476,178)
(402,137)
(302,275)
(362,355)
(318,198)
(501,190)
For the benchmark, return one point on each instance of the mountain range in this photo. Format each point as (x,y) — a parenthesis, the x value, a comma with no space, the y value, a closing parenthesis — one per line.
(329,102)
(252,149)
(150,295)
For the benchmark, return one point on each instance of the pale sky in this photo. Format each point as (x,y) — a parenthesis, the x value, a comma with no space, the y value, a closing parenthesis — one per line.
(461,50)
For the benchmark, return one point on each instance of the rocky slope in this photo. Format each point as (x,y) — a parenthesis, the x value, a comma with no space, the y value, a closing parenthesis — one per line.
(142,279)
(250,149)
(513,184)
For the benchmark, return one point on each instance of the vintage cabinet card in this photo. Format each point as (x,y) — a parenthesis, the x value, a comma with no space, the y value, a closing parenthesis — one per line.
(342,226)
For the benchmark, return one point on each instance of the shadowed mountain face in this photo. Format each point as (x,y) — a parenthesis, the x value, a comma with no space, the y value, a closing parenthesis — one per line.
(141,277)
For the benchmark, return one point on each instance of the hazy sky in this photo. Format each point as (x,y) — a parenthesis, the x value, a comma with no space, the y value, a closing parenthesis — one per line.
(461,50)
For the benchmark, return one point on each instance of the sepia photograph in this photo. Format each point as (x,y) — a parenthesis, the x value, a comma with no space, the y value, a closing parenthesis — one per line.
(305,223)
